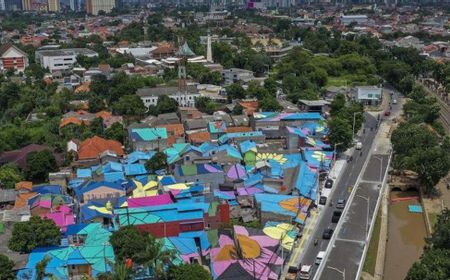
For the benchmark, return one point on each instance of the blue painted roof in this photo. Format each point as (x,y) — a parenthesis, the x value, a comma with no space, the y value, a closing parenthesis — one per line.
(84,173)
(94,185)
(139,155)
(135,169)
(44,189)
(148,134)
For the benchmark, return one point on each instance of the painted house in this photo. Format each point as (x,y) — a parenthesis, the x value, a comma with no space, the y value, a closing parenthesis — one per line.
(98,190)
(12,58)
(238,137)
(147,139)
(210,175)
(173,219)
(217,129)
(282,208)
(272,124)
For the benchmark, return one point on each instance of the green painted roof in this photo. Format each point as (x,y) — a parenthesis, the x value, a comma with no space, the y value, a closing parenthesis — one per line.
(185,50)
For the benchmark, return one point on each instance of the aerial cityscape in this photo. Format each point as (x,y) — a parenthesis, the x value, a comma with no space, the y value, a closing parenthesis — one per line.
(224,139)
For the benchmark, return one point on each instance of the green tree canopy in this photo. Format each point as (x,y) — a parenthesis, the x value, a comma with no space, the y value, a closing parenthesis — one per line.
(9,176)
(188,272)
(115,132)
(129,105)
(157,162)
(440,238)
(127,242)
(235,91)
(6,268)
(433,265)
(36,232)
(270,104)
(39,164)
(340,133)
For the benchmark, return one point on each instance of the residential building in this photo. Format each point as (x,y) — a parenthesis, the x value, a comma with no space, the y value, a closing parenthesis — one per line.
(12,58)
(369,95)
(13,5)
(185,99)
(93,7)
(92,148)
(234,75)
(146,139)
(27,5)
(53,5)
(349,19)
(2,5)
(61,59)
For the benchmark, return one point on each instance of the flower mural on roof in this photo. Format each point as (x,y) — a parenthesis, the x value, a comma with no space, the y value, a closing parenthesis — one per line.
(266,156)
(254,253)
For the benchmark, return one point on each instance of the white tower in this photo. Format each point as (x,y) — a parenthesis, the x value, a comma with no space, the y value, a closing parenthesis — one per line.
(208,49)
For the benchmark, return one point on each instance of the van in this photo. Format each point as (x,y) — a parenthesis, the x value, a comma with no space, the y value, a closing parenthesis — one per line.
(320,257)
(358,145)
(305,272)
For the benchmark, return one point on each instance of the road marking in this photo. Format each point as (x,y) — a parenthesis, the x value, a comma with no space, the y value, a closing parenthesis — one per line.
(351,240)
(314,214)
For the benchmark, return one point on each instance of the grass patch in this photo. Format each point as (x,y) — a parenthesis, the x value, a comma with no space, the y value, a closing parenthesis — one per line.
(372,252)
(336,81)
(433,218)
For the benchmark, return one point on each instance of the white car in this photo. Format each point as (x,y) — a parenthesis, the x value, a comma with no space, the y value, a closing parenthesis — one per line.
(320,257)
(359,145)
(305,272)
(394,101)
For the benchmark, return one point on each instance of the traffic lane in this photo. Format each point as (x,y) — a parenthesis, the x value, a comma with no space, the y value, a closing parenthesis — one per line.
(358,217)
(345,258)
(342,190)
(376,168)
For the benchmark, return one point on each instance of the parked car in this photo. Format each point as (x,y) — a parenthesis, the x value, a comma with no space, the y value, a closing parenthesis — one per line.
(323,200)
(336,216)
(327,233)
(387,113)
(394,101)
(359,145)
(291,273)
(329,183)
(305,272)
(340,204)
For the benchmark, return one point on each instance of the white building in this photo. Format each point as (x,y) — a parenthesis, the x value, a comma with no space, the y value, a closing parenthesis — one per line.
(61,59)
(358,19)
(234,75)
(370,95)
(2,5)
(185,99)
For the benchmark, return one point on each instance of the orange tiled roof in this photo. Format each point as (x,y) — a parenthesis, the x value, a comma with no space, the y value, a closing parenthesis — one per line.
(239,129)
(175,131)
(92,147)
(199,137)
(24,185)
(103,114)
(250,106)
(22,199)
(84,87)
(70,120)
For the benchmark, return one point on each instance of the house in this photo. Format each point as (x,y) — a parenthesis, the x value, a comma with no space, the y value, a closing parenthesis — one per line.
(237,137)
(186,99)
(147,139)
(61,59)
(93,148)
(217,129)
(99,190)
(12,58)
(236,75)
(7,198)
(175,133)
(161,119)
(368,95)
(272,124)
(346,20)
(282,208)
(210,175)
(195,125)
(320,106)
(173,219)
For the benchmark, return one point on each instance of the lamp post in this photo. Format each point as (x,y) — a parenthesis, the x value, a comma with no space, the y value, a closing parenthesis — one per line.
(367,199)
(380,159)
(340,271)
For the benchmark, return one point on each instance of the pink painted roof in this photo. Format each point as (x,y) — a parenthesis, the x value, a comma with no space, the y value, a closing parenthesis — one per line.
(62,218)
(149,201)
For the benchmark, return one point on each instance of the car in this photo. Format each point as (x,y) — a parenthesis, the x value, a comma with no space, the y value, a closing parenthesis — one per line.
(359,145)
(320,257)
(340,204)
(305,272)
(387,113)
(394,101)
(336,216)
(291,273)
(329,183)
(327,233)
(323,200)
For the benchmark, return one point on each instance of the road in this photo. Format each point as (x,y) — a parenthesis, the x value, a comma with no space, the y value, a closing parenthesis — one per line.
(343,188)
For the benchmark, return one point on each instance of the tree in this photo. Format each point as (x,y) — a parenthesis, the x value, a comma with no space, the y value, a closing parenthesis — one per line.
(36,232)
(39,164)
(96,126)
(340,133)
(115,132)
(188,272)
(235,91)
(6,268)
(337,104)
(127,242)
(237,110)
(440,238)
(433,265)
(154,255)
(96,103)
(401,139)
(270,104)
(129,105)
(166,104)
(41,268)
(120,271)
(157,162)
(100,85)
(9,176)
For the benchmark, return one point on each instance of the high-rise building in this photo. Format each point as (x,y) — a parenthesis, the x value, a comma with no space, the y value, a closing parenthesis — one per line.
(27,5)
(53,5)
(12,5)
(2,5)
(95,6)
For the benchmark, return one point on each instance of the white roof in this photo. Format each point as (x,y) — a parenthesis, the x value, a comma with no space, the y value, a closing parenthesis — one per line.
(306,268)
(321,255)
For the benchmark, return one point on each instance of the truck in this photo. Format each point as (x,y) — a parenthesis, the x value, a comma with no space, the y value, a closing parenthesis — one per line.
(305,272)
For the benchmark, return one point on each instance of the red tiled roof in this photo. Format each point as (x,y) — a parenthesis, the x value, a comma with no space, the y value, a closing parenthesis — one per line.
(92,147)
(24,185)
(199,137)
(239,129)
(103,114)
(175,131)
(70,120)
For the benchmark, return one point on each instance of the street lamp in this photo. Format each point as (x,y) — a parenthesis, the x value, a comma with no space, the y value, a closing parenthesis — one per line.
(367,199)
(341,272)
(353,127)
(381,167)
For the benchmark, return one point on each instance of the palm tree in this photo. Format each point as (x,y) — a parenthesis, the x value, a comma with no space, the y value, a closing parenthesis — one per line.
(120,272)
(155,256)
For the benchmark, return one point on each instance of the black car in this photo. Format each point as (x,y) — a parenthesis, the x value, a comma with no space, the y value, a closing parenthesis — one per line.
(327,233)
(323,200)
(329,183)
(336,216)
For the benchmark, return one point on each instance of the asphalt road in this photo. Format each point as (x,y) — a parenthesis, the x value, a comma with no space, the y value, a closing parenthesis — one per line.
(356,219)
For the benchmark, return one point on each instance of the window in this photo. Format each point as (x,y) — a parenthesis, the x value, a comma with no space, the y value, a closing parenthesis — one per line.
(370,95)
